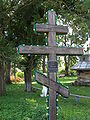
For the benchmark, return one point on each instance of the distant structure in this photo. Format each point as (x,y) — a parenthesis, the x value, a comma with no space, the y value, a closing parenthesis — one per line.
(83,70)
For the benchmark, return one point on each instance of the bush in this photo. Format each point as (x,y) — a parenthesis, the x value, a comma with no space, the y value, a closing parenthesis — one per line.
(39,113)
(72,73)
(62,71)
(20,74)
(18,79)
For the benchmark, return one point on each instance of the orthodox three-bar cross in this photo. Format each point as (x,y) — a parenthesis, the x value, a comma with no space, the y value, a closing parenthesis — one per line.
(52,50)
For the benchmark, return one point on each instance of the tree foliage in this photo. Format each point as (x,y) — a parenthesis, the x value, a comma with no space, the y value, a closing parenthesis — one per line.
(17,18)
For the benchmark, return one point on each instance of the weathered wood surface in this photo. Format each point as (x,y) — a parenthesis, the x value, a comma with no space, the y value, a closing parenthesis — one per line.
(69,51)
(52,51)
(49,50)
(52,56)
(85,75)
(85,81)
(83,78)
(84,72)
(81,83)
(52,28)
(52,84)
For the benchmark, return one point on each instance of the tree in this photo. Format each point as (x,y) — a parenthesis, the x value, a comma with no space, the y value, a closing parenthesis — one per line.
(8,67)
(25,35)
(70,12)
(17,18)
(2,82)
(7,48)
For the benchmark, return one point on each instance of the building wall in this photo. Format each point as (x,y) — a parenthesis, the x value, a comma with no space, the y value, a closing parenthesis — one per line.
(83,77)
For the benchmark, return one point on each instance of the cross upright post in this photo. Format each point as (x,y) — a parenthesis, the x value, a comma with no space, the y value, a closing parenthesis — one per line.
(52,75)
(52,28)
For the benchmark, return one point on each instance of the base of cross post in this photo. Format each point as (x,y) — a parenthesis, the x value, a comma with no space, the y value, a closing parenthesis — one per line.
(52,105)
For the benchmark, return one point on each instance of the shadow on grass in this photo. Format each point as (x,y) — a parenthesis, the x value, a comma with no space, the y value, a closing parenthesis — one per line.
(16,104)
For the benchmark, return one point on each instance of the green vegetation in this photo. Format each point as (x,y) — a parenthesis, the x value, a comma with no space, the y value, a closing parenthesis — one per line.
(74,108)
(18,105)
(17,18)
(20,74)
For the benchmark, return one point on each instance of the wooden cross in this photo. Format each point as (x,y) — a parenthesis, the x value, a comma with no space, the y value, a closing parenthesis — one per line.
(52,50)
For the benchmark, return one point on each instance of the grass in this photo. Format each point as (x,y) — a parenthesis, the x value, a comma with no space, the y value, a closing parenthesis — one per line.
(18,105)
(74,108)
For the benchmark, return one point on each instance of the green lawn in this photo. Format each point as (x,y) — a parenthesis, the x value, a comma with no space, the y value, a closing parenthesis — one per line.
(74,108)
(18,105)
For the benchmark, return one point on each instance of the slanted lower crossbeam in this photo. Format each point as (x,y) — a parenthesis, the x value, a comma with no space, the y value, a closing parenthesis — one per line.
(44,80)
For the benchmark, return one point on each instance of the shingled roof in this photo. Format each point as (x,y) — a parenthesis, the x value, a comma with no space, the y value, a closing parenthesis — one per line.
(84,63)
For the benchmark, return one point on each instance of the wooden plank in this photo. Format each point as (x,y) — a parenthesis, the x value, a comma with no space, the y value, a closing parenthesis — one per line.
(84,74)
(52,84)
(84,81)
(49,50)
(69,51)
(52,28)
(34,49)
(84,77)
(52,56)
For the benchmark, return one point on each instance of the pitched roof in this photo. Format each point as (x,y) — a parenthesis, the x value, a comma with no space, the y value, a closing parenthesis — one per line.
(82,65)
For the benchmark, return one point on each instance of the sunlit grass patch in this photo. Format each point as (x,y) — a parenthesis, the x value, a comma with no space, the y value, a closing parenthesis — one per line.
(16,104)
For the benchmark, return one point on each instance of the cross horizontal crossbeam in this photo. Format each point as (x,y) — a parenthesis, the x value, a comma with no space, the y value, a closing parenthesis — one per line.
(52,28)
(52,84)
(44,50)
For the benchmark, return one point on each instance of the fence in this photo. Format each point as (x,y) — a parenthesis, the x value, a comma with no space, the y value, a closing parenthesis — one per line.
(74,108)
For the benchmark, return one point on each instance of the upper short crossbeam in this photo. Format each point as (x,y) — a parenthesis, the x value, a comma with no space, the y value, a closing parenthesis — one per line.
(51,28)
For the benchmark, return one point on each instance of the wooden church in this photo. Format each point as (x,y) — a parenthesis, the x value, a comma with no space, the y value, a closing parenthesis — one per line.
(83,70)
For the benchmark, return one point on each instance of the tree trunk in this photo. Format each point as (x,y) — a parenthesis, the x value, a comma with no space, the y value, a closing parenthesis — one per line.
(28,76)
(25,79)
(8,66)
(15,73)
(66,59)
(43,64)
(2,82)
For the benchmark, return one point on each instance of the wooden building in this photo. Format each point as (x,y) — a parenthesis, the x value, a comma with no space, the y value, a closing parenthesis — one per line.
(83,70)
